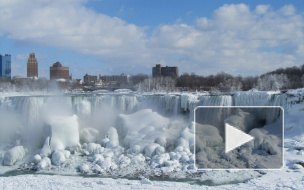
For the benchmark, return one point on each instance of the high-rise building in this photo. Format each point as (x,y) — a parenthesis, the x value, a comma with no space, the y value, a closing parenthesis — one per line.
(158,70)
(32,66)
(59,72)
(5,66)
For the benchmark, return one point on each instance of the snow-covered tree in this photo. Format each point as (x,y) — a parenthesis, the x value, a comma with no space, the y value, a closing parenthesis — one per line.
(157,84)
(273,82)
(231,85)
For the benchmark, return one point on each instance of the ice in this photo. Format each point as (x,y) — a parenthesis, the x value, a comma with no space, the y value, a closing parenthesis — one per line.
(36,159)
(89,135)
(123,161)
(97,169)
(189,101)
(207,135)
(146,137)
(146,181)
(83,168)
(93,148)
(59,156)
(113,138)
(141,129)
(149,149)
(242,120)
(186,138)
(46,149)
(45,162)
(138,159)
(64,132)
(107,163)
(97,158)
(14,155)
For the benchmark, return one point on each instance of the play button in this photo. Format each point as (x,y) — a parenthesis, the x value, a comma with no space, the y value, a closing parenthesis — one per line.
(238,137)
(235,138)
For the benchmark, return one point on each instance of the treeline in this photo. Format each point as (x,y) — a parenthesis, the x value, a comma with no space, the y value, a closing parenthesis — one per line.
(294,75)
(282,78)
(219,82)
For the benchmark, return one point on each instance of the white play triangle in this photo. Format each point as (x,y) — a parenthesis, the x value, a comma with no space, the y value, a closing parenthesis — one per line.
(235,138)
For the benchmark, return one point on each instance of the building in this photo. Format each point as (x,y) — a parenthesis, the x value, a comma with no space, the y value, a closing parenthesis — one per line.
(90,79)
(5,66)
(32,66)
(115,79)
(59,72)
(158,70)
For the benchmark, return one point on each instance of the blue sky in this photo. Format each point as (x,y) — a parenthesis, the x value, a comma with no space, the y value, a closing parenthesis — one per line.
(131,36)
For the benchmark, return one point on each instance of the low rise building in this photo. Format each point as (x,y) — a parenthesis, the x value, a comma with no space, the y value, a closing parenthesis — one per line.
(158,70)
(90,79)
(57,71)
(115,79)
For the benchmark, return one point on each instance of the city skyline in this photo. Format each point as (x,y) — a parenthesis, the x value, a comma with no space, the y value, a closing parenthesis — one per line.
(131,37)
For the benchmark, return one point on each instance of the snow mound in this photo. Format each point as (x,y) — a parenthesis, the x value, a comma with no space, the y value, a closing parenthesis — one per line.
(36,159)
(140,130)
(64,132)
(45,162)
(113,138)
(59,156)
(14,155)
(97,169)
(93,148)
(186,138)
(83,168)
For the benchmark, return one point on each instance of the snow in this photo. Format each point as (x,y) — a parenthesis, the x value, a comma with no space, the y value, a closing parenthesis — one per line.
(83,168)
(64,132)
(113,138)
(59,156)
(89,135)
(93,148)
(36,159)
(149,142)
(14,155)
(141,130)
(46,149)
(44,163)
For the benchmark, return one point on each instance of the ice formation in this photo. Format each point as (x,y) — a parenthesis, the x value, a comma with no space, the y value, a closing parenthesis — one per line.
(64,132)
(129,133)
(14,155)
(89,135)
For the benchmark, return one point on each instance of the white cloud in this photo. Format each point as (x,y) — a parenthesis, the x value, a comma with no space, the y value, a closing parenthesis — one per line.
(262,9)
(235,39)
(70,25)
